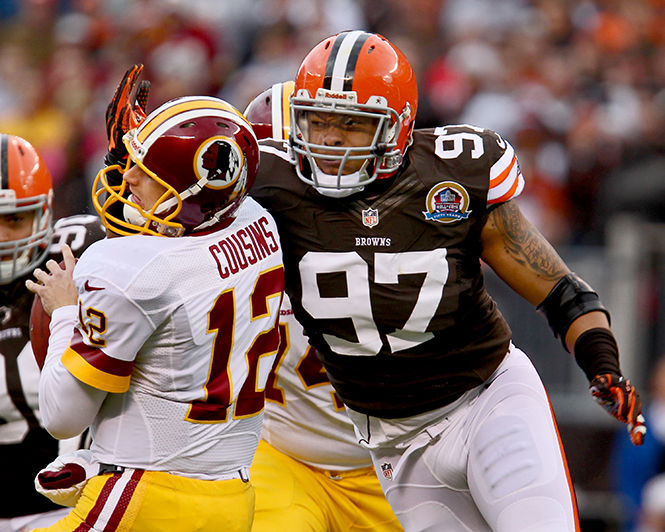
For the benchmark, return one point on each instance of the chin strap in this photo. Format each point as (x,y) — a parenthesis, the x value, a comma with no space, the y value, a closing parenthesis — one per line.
(338,192)
(335,181)
(133,216)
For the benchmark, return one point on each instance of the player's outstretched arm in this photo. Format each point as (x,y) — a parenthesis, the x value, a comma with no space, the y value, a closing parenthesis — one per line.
(519,254)
(527,262)
(124,112)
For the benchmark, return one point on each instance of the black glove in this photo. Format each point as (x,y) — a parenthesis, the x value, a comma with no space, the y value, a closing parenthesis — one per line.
(122,115)
(616,395)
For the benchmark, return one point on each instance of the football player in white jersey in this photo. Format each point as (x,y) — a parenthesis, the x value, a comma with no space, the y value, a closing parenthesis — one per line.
(28,238)
(310,474)
(174,328)
(384,229)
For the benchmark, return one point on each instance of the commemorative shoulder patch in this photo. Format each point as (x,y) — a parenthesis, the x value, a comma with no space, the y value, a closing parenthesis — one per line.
(447,202)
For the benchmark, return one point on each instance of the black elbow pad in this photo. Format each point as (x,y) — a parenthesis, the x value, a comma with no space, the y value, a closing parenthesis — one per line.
(570,298)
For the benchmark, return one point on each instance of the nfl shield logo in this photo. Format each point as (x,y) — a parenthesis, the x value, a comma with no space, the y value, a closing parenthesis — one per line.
(387,470)
(370,217)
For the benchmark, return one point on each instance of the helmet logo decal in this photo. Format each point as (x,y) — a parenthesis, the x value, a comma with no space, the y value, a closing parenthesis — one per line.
(8,196)
(325,94)
(406,114)
(447,202)
(219,161)
(136,148)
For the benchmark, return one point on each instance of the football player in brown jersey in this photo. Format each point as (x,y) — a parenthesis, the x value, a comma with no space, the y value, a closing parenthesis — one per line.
(384,228)
(28,239)
(309,473)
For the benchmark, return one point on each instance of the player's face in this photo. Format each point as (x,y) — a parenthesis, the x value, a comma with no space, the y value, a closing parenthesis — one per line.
(338,130)
(145,190)
(16,226)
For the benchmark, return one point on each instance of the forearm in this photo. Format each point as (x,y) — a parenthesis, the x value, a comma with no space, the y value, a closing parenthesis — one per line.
(67,405)
(585,322)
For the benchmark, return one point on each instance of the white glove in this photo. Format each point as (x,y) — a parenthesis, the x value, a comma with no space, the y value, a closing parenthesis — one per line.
(63,479)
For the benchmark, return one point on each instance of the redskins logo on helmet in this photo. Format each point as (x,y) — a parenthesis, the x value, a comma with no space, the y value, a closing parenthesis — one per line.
(363,77)
(219,161)
(201,150)
(26,188)
(269,112)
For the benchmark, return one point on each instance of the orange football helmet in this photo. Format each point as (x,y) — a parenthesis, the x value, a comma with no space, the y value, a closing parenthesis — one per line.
(25,187)
(204,153)
(269,112)
(359,75)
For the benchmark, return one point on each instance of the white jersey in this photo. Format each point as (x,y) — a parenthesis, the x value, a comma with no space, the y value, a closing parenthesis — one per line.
(183,332)
(304,417)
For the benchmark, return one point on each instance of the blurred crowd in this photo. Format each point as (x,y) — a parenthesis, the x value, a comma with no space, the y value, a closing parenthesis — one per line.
(578,86)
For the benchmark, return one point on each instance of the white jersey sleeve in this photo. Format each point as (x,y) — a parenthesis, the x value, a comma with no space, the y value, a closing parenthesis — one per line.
(183,333)
(112,318)
(304,417)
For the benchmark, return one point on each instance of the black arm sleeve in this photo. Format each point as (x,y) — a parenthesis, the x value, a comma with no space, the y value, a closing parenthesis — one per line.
(597,353)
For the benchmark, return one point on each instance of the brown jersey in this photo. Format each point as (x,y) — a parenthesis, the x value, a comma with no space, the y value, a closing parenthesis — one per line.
(25,446)
(388,282)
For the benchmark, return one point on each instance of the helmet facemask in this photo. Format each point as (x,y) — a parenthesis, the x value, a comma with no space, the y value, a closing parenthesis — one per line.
(132,219)
(21,256)
(379,157)
(26,188)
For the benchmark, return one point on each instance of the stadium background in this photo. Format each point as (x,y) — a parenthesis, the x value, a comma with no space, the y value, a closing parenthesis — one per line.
(578,87)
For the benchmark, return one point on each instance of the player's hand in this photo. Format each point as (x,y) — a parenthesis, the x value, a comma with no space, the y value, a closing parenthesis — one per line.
(122,114)
(63,479)
(616,395)
(55,287)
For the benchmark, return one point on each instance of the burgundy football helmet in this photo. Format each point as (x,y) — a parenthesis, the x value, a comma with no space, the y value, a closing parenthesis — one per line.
(269,111)
(202,150)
